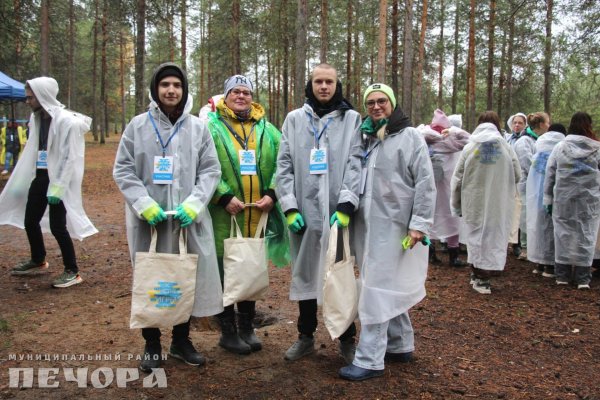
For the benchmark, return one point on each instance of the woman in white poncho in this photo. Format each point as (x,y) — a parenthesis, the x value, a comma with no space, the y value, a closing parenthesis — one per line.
(540,230)
(572,196)
(483,193)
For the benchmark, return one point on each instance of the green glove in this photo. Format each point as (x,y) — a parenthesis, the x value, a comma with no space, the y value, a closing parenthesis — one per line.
(548,209)
(295,221)
(406,242)
(154,214)
(342,219)
(53,200)
(185,215)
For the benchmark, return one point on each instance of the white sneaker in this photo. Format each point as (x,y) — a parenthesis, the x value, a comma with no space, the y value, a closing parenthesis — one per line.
(583,286)
(482,286)
(561,283)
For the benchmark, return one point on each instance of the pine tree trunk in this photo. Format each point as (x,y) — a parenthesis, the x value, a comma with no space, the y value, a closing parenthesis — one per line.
(286,57)
(407,59)
(471,70)
(395,35)
(95,73)
(509,61)
(183,9)
(419,89)
(548,56)
(122,78)
(236,52)
(382,43)
(45,38)
(502,78)
(140,41)
(324,36)
(442,50)
(349,50)
(70,55)
(490,66)
(455,59)
(18,39)
(301,45)
(104,73)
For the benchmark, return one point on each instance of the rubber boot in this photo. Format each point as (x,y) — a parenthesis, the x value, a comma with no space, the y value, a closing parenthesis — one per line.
(454,261)
(433,259)
(246,331)
(230,340)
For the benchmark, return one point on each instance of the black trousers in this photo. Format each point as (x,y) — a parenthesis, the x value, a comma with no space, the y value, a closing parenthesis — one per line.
(34,211)
(307,321)
(180,332)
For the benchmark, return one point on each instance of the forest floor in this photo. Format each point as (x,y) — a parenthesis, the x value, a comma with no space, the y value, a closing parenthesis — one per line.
(529,339)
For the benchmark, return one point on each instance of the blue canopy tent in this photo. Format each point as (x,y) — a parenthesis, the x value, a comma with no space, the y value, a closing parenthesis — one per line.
(11,91)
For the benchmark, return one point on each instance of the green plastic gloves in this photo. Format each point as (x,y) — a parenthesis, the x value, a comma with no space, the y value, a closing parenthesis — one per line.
(185,215)
(154,214)
(406,242)
(295,221)
(548,209)
(53,200)
(342,219)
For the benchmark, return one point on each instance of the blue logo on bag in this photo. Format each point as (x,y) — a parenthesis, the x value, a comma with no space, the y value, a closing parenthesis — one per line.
(165,295)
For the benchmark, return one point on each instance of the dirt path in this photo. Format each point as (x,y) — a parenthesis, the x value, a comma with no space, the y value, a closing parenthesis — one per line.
(528,340)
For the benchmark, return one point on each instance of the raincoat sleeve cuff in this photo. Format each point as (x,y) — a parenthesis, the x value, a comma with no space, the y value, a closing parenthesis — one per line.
(225,199)
(347,196)
(346,208)
(420,224)
(291,210)
(271,194)
(56,190)
(195,204)
(288,202)
(142,204)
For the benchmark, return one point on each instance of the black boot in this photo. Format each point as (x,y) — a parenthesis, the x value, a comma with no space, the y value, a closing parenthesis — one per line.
(152,356)
(230,340)
(433,259)
(246,331)
(454,261)
(184,350)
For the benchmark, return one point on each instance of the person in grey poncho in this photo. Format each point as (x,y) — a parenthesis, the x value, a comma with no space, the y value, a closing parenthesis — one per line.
(318,174)
(168,133)
(572,196)
(397,201)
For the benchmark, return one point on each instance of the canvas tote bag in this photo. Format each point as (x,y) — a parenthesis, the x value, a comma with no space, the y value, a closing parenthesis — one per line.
(164,286)
(340,293)
(246,276)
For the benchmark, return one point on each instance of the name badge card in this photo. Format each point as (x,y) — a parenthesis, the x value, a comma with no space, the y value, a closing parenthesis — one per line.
(318,161)
(42,160)
(247,162)
(163,170)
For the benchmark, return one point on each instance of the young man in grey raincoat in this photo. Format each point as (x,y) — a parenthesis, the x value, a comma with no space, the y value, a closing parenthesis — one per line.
(318,177)
(168,130)
(49,176)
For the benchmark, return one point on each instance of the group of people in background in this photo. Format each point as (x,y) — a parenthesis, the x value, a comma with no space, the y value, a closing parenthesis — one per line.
(392,185)
(12,141)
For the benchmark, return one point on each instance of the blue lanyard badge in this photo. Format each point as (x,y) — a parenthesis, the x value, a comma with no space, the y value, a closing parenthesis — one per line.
(162,144)
(42,160)
(314,129)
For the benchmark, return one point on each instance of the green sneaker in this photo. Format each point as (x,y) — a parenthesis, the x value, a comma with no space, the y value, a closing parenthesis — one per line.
(29,267)
(67,279)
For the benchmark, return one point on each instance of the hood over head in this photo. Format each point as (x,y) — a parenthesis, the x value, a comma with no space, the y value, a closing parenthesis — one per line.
(161,72)
(578,146)
(485,132)
(46,90)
